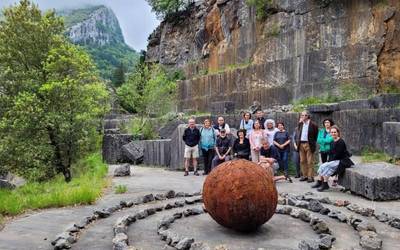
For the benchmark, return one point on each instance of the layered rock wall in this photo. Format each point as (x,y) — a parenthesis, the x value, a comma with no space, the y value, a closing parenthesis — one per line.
(303,48)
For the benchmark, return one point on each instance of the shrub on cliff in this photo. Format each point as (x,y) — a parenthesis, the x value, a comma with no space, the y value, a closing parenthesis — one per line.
(51,98)
(164,8)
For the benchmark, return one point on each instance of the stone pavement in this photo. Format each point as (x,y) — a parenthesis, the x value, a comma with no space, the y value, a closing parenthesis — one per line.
(37,229)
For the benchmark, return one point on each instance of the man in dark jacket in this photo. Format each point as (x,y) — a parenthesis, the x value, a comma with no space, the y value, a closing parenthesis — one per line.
(191,137)
(307,143)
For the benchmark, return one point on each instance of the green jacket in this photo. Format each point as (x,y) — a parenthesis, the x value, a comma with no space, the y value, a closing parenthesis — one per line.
(324,142)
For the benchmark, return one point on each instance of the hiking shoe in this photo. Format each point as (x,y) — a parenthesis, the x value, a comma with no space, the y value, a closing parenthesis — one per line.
(317,185)
(310,179)
(303,178)
(289,179)
(186,173)
(196,173)
(323,187)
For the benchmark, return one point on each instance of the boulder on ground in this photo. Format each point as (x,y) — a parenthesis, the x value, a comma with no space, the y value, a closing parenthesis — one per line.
(133,151)
(6,184)
(123,170)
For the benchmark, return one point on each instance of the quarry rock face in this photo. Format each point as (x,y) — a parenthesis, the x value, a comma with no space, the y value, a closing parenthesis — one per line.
(303,48)
(240,195)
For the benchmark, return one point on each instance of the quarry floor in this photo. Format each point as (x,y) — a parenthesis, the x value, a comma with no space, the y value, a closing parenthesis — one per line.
(37,229)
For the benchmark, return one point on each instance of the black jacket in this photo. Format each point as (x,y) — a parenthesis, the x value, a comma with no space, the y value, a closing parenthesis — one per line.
(242,149)
(191,137)
(339,152)
(312,135)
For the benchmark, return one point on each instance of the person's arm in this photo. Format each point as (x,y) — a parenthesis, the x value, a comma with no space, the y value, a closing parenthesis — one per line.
(235,145)
(184,136)
(227,129)
(320,137)
(227,152)
(287,142)
(251,140)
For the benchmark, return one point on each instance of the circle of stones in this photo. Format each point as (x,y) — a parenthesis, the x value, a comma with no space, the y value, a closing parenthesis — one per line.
(369,239)
(120,228)
(71,234)
(183,243)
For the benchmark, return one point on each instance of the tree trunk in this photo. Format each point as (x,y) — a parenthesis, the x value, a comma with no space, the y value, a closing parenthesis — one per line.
(57,157)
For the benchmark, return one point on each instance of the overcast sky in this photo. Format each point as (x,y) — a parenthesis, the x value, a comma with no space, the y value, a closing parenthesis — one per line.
(135,16)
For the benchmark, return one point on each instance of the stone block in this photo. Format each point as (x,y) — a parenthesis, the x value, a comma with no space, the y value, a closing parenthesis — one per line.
(386,101)
(134,151)
(355,104)
(222,107)
(168,129)
(323,108)
(112,147)
(6,184)
(375,181)
(122,170)
(391,138)
(157,152)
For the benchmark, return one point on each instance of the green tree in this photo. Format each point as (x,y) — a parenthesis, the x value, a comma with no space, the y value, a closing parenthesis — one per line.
(164,8)
(119,75)
(51,98)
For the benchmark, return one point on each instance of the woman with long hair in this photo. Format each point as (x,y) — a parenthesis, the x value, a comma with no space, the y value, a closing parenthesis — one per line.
(241,146)
(256,136)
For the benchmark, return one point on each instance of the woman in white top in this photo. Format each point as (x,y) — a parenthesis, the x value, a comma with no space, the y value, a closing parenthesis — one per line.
(256,137)
(270,130)
(246,123)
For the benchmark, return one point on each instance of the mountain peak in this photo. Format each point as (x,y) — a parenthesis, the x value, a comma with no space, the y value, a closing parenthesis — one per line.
(92,25)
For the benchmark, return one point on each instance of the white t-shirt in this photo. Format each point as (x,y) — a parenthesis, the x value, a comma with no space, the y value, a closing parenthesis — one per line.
(271,134)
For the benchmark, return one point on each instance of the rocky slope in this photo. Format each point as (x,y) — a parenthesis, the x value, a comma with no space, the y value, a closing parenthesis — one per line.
(303,48)
(97,29)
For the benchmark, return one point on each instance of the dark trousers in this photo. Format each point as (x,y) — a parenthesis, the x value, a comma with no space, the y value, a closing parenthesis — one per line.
(296,161)
(283,162)
(208,156)
(324,157)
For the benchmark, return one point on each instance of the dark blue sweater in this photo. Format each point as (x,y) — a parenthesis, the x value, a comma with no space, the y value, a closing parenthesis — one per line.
(191,137)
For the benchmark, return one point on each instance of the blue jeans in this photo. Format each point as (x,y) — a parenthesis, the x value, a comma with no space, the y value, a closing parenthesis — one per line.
(283,162)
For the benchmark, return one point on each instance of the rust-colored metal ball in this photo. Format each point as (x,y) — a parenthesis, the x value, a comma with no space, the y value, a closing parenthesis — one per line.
(240,195)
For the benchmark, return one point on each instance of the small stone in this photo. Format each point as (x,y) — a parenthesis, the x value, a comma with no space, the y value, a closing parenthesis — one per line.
(123,203)
(62,244)
(179,203)
(180,194)
(120,229)
(319,226)
(72,228)
(341,203)
(324,200)
(184,244)
(190,201)
(169,206)
(122,170)
(342,217)
(163,234)
(199,246)
(304,216)
(148,198)
(395,222)
(198,193)
(325,211)
(365,226)
(166,221)
(170,194)
(309,193)
(129,204)
(102,213)
(121,237)
(160,197)
(295,213)
(121,246)
(383,217)
(283,210)
(370,241)
(325,241)
(172,238)
(188,195)
(302,204)
(64,236)
(141,214)
(83,223)
(291,201)
(178,215)
(281,201)
(159,208)
(150,211)
(308,245)
(355,221)
(315,206)
(221,247)
(333,214)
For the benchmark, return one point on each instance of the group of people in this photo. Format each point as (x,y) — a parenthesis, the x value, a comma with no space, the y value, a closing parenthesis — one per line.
(268,144)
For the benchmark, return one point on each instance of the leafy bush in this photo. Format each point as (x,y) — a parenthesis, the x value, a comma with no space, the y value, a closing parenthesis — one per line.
(121,189)
(261,7)
(164,8)
(141,128)
(84,189)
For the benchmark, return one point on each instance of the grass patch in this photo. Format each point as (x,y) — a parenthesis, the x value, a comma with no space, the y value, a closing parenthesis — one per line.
(373,155)
(85,188)
(121,189)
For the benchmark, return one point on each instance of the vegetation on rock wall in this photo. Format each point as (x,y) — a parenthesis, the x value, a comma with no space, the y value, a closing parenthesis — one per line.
(51,97)
(165,8)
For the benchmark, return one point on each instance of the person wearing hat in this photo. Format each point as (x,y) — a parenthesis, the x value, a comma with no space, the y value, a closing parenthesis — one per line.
(222,149)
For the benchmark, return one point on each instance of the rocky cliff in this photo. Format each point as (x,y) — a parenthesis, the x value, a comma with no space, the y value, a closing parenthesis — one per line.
(302,48)
(96,25)
(97,29)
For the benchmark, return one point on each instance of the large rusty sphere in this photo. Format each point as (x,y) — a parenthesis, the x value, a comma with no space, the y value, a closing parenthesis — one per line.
(240,195)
